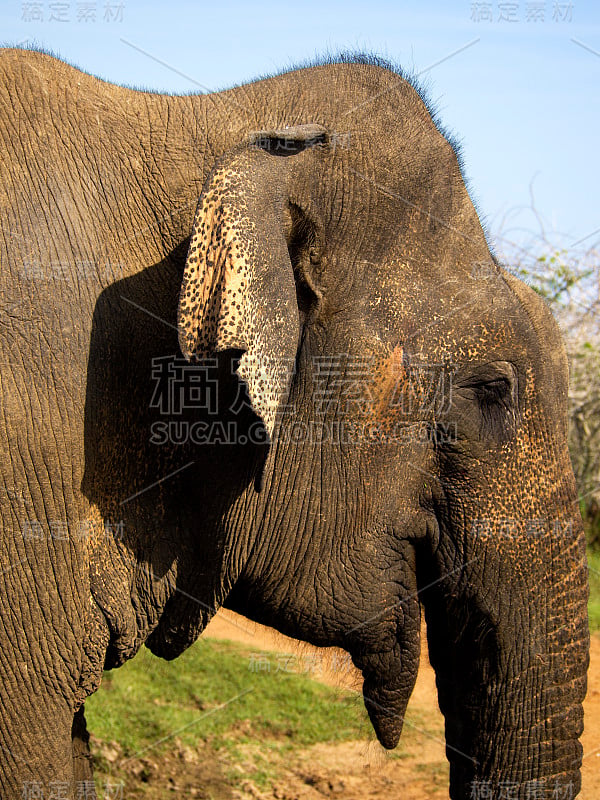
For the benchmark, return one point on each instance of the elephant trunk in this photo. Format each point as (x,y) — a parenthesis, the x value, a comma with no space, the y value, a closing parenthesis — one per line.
(510,663)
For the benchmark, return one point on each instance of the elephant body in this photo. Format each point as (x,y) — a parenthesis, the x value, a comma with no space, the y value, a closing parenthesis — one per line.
(313,396)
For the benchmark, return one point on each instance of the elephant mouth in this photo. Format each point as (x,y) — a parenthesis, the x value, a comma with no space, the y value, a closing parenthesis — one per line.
(389,676)
(386,705)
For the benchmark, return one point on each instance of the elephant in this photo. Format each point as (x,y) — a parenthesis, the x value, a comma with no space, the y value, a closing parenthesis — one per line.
(257,353)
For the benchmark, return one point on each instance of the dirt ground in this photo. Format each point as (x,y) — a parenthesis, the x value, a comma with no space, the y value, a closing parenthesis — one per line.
(363,770)
(356,770)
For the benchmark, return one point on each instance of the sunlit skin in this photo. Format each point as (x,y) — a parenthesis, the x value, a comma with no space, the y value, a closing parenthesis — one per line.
(389,431)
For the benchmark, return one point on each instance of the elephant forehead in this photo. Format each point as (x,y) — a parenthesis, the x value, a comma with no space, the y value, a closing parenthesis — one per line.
(455,328)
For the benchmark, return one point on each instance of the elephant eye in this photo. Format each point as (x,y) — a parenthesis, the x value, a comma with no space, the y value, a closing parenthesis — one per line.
(494,390)
(495,405)
(291,140)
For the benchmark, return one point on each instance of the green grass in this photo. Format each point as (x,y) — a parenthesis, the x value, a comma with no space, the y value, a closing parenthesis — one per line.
(213,693)
(220,697)
(214,705)
(594,602)
(213,700)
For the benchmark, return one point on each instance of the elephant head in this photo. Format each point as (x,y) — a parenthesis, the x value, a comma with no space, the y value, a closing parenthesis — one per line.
(413,394)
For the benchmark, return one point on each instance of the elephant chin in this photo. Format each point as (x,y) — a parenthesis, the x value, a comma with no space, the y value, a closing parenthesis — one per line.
(386,706)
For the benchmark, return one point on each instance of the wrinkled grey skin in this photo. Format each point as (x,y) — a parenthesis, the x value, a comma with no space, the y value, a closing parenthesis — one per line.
(353,240)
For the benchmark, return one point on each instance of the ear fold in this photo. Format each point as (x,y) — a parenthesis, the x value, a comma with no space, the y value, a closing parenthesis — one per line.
(238,289)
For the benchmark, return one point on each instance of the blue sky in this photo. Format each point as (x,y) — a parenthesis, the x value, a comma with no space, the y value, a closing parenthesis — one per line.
(520,95)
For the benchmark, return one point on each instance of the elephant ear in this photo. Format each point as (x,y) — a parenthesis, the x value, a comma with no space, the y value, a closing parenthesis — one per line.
(238,289)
